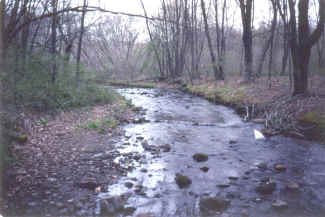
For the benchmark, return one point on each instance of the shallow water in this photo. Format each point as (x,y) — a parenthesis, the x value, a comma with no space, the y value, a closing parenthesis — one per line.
(191,125)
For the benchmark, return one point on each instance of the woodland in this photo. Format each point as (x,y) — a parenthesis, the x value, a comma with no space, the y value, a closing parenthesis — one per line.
(265,59)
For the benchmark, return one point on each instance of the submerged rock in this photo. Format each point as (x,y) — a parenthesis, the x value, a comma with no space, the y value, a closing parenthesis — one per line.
(223,185)
(88,183)
(111,205)
(182,181)
(128,184)
(279,205)
(200,157)
(262,165)
(166,148)
(293,186)
(213,204)
(280,167)
(266,188)
(204,169)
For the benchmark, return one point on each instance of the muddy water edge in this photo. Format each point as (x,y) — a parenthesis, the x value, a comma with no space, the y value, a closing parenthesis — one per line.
(239,176)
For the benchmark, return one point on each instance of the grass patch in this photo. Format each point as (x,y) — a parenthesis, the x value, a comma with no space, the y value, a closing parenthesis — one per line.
(226,95)
(132,84)
(318,120)
(101,125)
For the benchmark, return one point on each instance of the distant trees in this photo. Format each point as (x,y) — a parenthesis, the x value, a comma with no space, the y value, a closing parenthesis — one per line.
(187,39)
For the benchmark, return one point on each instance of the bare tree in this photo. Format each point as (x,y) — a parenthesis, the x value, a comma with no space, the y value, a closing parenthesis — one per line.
(53,39)
(82,29)
(269,42)
(246,7)
(217,74)
(302,40)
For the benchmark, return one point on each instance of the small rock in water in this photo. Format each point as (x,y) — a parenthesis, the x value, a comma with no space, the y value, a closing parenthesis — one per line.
(128,184)
(143,170)
(212,204)
(182,181)
(266,188)
(146,145)
(166,148)
(280,205)
(200,157)
(262,166)
(244,213)
(111,205)
(59,205)
(233,177)
(204,169)
(223,185)
(88,183)
(232,142)
(293,186)
(280,167)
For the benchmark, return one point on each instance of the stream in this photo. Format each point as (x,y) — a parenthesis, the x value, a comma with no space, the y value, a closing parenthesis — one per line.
(277,176)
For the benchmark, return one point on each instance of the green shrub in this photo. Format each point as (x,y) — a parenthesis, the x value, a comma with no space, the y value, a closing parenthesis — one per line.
(31,86)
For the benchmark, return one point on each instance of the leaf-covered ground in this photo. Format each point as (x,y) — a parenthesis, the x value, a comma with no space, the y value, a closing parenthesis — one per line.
(65,161)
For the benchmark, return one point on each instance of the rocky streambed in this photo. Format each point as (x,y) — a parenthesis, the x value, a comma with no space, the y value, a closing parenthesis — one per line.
(188,157)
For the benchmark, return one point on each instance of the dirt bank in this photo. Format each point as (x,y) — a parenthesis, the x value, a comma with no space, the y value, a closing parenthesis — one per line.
(65,160)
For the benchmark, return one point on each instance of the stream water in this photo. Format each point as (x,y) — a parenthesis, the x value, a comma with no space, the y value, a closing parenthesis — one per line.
(237,163)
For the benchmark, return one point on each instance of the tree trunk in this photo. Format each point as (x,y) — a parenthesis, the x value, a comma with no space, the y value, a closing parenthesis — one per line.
(246,14)
(269,42)
(82,29)
(53,40)
(2,68)
(217,74)
(300,68)
(302,41)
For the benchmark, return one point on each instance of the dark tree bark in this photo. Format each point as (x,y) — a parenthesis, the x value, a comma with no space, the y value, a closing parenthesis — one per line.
(2,68)
(221,37)
(302,40)
(246,7)
(82,30)
(283,11)
(53,40)
(157,56)
(269,42)
(217,74)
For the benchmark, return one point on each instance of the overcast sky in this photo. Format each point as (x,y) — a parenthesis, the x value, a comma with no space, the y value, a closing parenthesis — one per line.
(152,7)
(132,6)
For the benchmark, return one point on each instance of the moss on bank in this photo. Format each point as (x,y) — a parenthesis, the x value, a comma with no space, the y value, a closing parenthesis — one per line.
(314,125)
(223,95)
(131,84)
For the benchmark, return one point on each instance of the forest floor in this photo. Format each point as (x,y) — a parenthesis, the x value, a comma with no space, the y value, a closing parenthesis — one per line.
(64,160)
